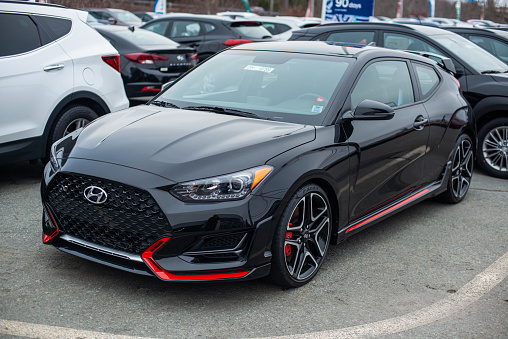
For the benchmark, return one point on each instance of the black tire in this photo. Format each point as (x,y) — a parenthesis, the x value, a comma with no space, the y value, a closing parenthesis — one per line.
(302,238)
(71,119)
(492,154)
(461,171)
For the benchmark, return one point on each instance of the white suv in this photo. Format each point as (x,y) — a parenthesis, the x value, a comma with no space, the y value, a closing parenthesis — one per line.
(56,75)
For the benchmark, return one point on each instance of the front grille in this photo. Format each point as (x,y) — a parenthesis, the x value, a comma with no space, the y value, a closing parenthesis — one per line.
(130,220)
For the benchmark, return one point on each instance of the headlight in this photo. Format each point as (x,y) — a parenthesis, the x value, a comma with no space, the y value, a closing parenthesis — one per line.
(227,187)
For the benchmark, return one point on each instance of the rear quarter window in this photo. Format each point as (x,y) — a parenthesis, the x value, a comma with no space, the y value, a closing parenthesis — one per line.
(427,79)
(56,27)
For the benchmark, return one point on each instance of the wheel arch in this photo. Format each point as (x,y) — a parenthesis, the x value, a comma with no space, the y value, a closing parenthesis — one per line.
(323,180)
(489,109)
(84,98)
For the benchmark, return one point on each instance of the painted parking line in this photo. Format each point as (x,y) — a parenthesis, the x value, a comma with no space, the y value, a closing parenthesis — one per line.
(468,294)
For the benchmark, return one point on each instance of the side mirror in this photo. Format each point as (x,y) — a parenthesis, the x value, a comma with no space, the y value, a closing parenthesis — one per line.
(371,110)
(112,21)
(167,85)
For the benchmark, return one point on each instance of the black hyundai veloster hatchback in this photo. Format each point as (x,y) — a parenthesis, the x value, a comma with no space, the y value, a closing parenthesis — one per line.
(257,160)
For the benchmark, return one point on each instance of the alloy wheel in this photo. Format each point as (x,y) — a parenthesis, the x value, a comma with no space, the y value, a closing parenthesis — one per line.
(307,236)
(495,148)
(75,125)
(462,168)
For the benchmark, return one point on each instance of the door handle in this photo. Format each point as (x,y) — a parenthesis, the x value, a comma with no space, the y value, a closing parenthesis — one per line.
(53,67)
(420,122)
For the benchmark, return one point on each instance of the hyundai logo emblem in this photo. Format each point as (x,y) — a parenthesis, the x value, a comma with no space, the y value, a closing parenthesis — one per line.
(180,57)
(95,195)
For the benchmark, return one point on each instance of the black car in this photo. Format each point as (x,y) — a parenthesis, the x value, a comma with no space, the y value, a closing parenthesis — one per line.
(113,16)
(147,60)
(208,34)
(257,159)
(492,40)
(483,78)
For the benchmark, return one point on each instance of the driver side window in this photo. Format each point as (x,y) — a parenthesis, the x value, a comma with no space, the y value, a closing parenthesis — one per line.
(387,82)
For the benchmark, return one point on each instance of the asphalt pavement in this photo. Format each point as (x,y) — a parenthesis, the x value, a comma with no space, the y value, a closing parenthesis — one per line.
(432,271)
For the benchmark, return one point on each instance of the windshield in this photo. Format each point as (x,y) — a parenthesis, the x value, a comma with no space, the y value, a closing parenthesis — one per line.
(289,87)
(475,56)
(126,16)
(253,30)
(143,37)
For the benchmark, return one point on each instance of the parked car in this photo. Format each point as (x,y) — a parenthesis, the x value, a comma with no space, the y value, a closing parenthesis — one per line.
(492,40)
(208,34)
(258,159)
(280,28)
(113,16)
(147,59)
(483,77)
(147,16)
(56,75)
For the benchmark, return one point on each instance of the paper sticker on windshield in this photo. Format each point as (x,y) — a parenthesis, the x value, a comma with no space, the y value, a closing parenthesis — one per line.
(317,109)
(259,68)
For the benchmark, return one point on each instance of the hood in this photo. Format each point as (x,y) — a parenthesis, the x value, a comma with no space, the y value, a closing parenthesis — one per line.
(183,145)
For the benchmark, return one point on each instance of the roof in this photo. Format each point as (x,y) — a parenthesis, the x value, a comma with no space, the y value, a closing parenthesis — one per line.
(328,48)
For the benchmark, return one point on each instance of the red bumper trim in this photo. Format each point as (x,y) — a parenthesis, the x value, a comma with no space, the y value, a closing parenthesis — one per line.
(187,276)
(47,237)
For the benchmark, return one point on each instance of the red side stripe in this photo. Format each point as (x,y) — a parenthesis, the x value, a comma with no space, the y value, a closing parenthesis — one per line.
(394,207)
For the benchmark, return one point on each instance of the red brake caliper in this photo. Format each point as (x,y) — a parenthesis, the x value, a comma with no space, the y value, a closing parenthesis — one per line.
(287,248)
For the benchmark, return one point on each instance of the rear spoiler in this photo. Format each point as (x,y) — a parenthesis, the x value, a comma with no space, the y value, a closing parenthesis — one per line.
(444,62)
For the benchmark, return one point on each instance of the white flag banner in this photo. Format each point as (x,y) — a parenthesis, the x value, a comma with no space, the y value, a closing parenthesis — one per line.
(160,7)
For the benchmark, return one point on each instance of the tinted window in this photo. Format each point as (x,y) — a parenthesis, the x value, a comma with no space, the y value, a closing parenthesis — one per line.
(283,28)
(19,34)
(158,27)
(56,27)
(494,46)
(427,78)
(209,27)
(101,15)
(143,37)
(385,81)
(406,42)
(352,37)
(183,29)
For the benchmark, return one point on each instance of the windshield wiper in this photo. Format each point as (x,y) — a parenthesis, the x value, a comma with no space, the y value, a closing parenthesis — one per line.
(224,110)
(163,104)
(493,72)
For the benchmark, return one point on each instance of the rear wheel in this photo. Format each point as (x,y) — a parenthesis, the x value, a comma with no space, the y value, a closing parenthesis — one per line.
(493,148)
(302,238)
(461,171)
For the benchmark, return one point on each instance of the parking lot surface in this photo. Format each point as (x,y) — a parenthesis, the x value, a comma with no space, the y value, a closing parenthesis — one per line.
(432,271)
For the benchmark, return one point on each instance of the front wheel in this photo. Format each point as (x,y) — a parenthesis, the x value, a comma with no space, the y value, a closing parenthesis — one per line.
(461,171)
(493,148)
(302,237)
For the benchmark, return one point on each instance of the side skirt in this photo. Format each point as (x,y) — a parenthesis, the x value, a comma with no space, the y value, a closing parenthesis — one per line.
(416,196)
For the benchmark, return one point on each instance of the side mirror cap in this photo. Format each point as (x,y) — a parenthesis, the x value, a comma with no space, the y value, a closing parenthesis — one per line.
(167,85)
(112,21)
(371,110)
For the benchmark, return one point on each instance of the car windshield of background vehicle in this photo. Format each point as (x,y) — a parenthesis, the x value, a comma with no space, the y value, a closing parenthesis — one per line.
(478,58)
(251,30)
(289,87)
(494,46)
(142,37)
(126,16)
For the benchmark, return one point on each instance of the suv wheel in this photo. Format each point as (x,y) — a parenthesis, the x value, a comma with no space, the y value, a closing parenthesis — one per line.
(493,148)
(72,118)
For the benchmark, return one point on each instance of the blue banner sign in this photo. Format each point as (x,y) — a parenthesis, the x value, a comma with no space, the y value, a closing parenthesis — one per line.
(347,10)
